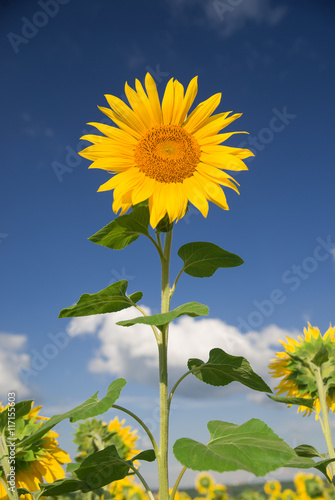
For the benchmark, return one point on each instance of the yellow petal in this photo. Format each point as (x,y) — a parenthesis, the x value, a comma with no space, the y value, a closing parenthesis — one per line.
(190,95)
(195,194)
(178,100)
(214,124)
(114,133)
(125,113)
(151,89)
(138,106)
(217,139)
(168,102)
(213,191)
(120,122)
(226,161)
(201,113)
(143,191)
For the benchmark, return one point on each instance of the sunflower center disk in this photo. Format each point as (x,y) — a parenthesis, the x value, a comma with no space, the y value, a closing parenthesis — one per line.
(167,154)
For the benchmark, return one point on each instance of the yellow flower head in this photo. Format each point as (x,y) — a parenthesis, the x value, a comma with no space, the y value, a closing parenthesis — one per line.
(309,486)
(161,154)
(204,482)
(272,487)
(295,365)
(41,460)
(218,492)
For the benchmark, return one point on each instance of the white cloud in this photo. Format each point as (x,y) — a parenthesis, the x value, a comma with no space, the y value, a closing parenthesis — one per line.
(12,357)
(132,352)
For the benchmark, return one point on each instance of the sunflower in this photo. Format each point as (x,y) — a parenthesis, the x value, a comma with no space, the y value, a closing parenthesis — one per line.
(309,486)
(42,460)
(93,435)
(295,365)
(204,482)
(161,154)
(272,487)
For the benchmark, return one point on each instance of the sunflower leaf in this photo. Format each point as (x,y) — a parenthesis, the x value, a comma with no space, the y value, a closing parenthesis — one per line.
(202,259)
(17,411)
(63,486)
(252,446)
(305,450)
(102,467)
(322,467)
(90,408)
(147,455)
(190,309)
(222,369)
(308,402)
(110,299)
(123,230)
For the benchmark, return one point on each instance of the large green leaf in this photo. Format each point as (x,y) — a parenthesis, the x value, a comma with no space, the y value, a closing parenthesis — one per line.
(190,309)
(222,368)
(308,402)
(110,299)
(90,408)
(123,230)
(252,446)
(102,467)
(202,259)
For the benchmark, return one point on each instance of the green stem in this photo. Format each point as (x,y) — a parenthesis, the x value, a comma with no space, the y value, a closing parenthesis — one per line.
(178,382)
(162,458)
(4,463)
(173,492)
(141,478)
(325,412)
(142,424)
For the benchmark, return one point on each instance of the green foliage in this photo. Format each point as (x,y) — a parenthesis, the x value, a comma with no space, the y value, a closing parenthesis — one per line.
(321,357)
(305,450)
(17,411)
(202,259)
(190,309)
(222,369)
(124,229)
(110,299)
(252,446)
(90,408)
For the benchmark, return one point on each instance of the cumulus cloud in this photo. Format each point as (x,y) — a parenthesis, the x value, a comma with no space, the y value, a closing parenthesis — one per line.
(132,352)
(12,356)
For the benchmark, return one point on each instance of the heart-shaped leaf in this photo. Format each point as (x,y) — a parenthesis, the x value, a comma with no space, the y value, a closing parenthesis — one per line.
(202,259)
(222,368)
(110,299)
(252,446)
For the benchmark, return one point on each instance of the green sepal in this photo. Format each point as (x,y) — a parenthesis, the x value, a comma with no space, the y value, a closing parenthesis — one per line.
(308,402)
(21,409)
(110,299)
(192,309)
(202,259)
(321,356)
(305,450)
(252,446)
(164,225)
(222,369)
(90,408)
(124,229)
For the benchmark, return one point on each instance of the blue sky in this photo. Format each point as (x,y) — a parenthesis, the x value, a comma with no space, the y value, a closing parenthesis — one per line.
(274,62)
